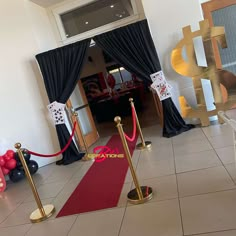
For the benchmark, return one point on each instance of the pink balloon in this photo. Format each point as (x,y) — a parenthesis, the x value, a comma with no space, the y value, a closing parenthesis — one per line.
(11,164)
(5,171)
(2,161)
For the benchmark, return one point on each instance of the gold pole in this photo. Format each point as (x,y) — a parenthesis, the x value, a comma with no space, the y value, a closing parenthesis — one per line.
(85,158)
(139,194)
(70,114)
(43,212)
(158,106)
(143,144)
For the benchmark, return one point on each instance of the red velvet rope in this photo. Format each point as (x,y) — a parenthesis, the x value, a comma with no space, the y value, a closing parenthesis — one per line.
(134,127)
(60,152)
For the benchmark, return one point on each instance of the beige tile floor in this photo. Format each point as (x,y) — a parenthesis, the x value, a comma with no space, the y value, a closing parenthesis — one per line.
(193,177)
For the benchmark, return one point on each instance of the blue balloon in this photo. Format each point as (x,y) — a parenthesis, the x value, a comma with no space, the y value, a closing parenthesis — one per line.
(16,175)
(33,167)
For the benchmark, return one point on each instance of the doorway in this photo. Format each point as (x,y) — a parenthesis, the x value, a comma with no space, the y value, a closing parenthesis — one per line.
(78,102)
(103,103)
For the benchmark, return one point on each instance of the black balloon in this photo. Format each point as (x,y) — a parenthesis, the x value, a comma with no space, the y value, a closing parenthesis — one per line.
(20,167)
(18,164)
(25,154)
(16,175)
(33,166)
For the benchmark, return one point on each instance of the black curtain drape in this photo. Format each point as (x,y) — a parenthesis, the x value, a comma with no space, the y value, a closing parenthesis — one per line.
(132,47)
(61,68)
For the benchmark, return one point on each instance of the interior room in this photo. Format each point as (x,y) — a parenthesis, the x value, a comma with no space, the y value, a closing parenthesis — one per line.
(108,87)
(70,166)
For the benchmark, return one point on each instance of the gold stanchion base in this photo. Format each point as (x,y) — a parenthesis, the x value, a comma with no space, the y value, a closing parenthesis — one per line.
(148,144)
(133,195)
(36,216)
(86,158)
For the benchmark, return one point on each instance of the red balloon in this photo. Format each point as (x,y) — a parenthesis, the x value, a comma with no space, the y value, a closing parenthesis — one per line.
(5,171)
(2,161)
(9,155)
(11,164)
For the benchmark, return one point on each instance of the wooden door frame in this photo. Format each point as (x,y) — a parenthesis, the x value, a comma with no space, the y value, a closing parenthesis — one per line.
(90,138)
(207,8)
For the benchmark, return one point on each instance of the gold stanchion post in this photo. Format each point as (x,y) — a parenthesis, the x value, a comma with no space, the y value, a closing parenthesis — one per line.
(69,113)
(139,194)
(144,144)
(43,212)
(85,158)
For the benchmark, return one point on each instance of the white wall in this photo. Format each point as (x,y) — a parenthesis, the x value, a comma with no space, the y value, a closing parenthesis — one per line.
(200,2)
(41,26)
(166,20)
(23,97)
(97,65)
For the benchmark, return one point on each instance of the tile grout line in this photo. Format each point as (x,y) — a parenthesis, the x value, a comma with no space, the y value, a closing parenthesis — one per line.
(65,186)
(23,202)
(12,226)
(213,136)
(220,158)
(131,183)
(43,183)
(206,168)
(67,183)
(212,232)
(180,211)
(195,151)
(77,217)
(28,230)
(157,201)
(10,215)
(18,226)
(206,193)
(121,224)
(122,220)
(9,226)
(135,168)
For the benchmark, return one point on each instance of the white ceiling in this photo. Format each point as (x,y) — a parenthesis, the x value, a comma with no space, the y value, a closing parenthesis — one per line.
(46,3)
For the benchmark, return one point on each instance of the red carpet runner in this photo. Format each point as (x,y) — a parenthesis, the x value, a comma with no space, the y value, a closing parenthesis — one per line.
(101,186)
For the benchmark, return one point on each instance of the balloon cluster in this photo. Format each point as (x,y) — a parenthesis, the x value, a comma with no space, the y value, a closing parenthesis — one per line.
(11,165)
(7,162)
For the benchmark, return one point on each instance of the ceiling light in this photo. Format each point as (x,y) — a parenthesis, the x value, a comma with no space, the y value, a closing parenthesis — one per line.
(120,16)
(111,6)
(114,71)
(86,22)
